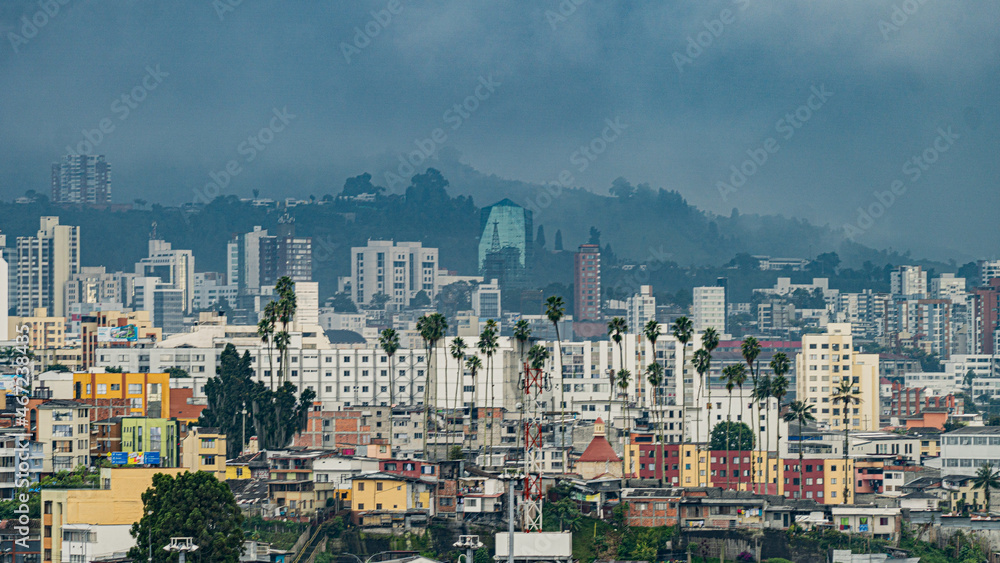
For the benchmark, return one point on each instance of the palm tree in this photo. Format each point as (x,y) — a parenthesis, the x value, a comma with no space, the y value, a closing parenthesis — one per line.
(555,310)
(537,356)
(750,349)
(624,376)
(986,479)
(702,363)
(488,346)
(431,328)
(761,394)
(473,364)
(522,333)
(801,413)
(780,365)
(683,329)
(388,340)
(967,381)
(286,308)
(709,341)
(845,395)
(736,375)
(282,340)
(458,354)
(265,330)
(652,333)
(654,374)
(617,329)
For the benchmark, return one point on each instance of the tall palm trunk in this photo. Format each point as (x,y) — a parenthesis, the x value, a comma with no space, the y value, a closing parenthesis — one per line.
(729,448)
(459,395)
(428,397)
(708,446)
(392,402)
(489,412)
(802,479)
(447,429)
(847,482)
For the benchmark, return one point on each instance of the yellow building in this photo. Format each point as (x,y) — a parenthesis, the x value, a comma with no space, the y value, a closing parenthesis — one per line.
(827,359)
(86,523)
(389,493)
(45,331)
(833,480)
(204,449)
(140,394)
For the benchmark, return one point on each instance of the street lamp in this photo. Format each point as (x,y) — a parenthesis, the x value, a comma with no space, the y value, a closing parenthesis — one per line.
(183,546)
(512,477)
(470,543)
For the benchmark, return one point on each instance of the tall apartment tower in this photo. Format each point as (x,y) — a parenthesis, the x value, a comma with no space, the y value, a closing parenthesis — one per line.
(45,263)
(398,270)
(708,308)
(81,178)
(174,268)
(825,360)
(908,281)
(587,286)
(640,308)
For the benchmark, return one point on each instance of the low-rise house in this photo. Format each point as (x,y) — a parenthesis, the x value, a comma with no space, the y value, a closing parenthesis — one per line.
(204,449)
(293,487)
(63,429)
(388,500)
(878,522)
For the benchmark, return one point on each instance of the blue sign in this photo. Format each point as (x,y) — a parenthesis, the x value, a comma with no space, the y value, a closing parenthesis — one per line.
(119,458)
(151,458)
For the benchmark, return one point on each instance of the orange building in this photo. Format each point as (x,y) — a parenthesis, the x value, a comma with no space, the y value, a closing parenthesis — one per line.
(124,394)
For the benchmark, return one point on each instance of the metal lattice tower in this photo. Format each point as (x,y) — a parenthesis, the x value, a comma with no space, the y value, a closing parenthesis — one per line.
(531,506)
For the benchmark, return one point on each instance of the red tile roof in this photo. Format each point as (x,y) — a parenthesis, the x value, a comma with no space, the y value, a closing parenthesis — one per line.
(599,450)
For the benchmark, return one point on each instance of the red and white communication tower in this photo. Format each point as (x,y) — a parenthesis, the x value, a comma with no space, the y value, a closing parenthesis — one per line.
(531,506)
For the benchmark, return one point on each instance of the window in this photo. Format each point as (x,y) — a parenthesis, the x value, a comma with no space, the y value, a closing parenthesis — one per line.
(208,460)
(361,487)
(378,486)
(102,388)
(134,388)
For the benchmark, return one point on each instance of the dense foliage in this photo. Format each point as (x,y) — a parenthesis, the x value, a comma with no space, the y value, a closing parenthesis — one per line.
(195,505)
(732,436)
(274,416)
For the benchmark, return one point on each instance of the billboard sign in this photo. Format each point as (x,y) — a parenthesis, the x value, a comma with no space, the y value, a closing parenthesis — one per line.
(127,333)
(135,458)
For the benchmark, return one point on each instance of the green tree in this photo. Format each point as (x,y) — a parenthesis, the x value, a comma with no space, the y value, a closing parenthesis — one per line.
(342,303)
(845,396)
(62,368)
(555,309)
(683,329)
(617,329)
(388,341)
(750,349)
(265,330)
(432,329)
(986,479)
(735,376)
(488,345)
(109,369)
(473,364)
(228,395)
(457,352)
(455,452)
(195,505)
(732,436)
(177,372)
(801,413)
(420,300)
(286,308)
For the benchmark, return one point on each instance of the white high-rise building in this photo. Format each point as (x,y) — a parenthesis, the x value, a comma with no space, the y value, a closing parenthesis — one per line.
(3,298)
(486,300)
(640,308)
(909,281)
(947,286)
(825,360)
(398,270)
(45,263)
(708,309)
(175,268)
(988,269)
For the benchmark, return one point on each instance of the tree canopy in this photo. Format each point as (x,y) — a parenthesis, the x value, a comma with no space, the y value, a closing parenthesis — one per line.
(195,505)
(740,436)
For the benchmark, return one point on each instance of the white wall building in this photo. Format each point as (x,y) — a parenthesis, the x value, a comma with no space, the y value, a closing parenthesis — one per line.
(45,263)
(486,300)
(175,268)
(708,309)
(910,281)
(399,270)
(641,308)
(947,286)
(965,450)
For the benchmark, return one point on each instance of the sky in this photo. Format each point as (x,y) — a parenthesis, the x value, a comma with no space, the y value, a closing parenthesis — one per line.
(879,117)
